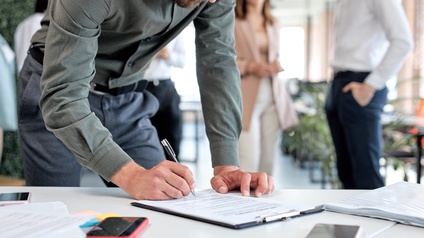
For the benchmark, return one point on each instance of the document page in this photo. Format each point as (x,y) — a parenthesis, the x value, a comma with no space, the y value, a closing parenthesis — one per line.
(402,202)
(232,208)
(50,219)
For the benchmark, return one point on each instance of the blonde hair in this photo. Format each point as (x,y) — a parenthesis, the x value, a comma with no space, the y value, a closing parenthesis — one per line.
(241,11)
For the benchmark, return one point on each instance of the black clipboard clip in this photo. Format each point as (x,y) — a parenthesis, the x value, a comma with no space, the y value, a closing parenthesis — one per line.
(275,216)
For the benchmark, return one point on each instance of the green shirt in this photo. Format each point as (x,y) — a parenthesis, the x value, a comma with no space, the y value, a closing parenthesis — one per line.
(111,42)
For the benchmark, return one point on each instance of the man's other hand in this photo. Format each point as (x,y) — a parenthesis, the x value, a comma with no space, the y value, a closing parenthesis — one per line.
(227,178)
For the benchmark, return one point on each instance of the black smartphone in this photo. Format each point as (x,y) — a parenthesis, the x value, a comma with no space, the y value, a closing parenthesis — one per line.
(14,198)
(128,227)
(322,230)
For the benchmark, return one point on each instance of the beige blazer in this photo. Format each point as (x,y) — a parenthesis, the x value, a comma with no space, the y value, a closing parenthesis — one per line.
(248,51)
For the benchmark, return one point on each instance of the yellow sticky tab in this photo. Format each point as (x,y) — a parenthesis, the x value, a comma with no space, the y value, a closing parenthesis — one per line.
(87,212)
(101,217)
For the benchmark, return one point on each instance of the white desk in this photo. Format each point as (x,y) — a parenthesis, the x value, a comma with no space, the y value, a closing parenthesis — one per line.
(403,231)
(114,200)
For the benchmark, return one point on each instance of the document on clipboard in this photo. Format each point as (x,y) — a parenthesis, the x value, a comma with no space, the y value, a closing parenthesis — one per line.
(230,210)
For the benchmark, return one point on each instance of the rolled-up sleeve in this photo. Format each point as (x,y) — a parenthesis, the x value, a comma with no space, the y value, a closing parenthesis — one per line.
(392,17)
(71,47)
(219,80)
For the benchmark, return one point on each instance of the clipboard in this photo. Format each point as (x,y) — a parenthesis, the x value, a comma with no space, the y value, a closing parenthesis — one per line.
(229,210)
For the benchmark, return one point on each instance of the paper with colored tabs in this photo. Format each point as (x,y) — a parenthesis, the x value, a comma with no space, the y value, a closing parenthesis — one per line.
(106,215)
(97,219)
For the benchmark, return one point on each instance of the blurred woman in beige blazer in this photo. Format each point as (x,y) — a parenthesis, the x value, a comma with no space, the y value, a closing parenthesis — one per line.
(267,107)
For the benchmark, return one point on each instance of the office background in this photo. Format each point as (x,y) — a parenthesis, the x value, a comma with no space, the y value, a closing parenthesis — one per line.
(306,36)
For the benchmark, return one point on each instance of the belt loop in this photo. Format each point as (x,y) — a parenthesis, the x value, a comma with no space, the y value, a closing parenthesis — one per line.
(135,86)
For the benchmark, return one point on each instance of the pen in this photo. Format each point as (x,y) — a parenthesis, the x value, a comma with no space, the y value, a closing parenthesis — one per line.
(171,155)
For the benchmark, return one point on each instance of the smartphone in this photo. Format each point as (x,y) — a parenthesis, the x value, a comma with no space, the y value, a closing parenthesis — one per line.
(322,230)
(128,227)
(14,198)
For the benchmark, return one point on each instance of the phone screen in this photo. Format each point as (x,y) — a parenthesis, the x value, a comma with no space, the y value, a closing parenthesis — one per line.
(322,230)
(10,198)
(118,226)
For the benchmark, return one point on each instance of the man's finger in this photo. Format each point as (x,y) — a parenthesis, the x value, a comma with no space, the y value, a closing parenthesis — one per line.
(271,185)
(347,88)
(245,180)
(262,181)
(219,185)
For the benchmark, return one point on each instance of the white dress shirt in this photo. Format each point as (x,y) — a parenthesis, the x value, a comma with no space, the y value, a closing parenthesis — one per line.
(160,68)
(23,35)
(8,116)
(371,35)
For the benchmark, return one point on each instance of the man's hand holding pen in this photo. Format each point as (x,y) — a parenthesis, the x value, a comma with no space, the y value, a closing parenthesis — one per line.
(171,156)
(167,180)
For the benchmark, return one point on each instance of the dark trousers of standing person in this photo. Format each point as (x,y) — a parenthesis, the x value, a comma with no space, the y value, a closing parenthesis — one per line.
(168,119)
(356,132)
(47,162)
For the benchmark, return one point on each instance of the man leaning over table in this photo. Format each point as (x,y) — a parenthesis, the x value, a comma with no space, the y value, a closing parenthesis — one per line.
(82,81)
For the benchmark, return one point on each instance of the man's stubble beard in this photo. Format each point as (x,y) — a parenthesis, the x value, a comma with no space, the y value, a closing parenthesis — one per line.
(189,3)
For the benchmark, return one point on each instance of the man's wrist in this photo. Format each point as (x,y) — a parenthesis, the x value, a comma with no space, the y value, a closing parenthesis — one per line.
(369,89)
(125,173)
(224,168)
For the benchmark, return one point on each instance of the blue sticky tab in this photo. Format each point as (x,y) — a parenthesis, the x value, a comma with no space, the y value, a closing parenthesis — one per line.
(90,223)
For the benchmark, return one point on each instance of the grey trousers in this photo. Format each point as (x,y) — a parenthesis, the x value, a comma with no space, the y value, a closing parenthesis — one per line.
(47,162)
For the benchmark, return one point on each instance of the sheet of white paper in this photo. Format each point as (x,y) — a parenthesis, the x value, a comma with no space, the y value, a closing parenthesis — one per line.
(45,207)
(40,220)
(401,202)
(230,208)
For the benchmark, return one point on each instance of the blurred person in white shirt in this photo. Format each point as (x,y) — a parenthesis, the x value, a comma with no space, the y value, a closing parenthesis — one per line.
(8,112)
(372,40)
(25,30)
(168,120)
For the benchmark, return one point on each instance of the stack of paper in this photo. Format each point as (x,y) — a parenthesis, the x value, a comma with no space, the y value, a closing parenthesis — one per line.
(402,202)
(47,220)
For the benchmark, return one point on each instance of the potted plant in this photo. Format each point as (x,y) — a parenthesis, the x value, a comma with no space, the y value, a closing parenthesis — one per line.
(310,141)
